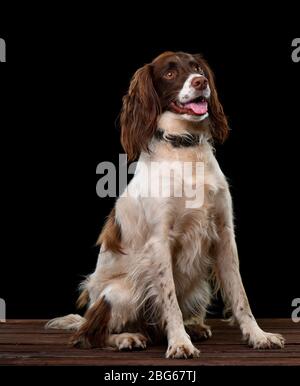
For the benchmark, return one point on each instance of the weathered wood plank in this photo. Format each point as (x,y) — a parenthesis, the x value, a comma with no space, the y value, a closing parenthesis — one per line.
(26,342)
(66,350)
(63,339)
(128,361)
(157,354)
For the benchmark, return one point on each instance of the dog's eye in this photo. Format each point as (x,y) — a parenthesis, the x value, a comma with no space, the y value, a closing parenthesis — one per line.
(170,74)
(197,68)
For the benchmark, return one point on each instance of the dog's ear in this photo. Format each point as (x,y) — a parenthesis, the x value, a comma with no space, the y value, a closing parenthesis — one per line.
(218,120)
(141,108)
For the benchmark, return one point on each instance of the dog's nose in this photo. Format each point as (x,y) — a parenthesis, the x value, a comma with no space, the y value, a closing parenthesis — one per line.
(199,82)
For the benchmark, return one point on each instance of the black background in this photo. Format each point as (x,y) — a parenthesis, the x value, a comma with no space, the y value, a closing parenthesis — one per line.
(60,98)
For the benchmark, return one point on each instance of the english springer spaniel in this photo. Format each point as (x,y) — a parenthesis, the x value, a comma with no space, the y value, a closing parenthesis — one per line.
(163,256)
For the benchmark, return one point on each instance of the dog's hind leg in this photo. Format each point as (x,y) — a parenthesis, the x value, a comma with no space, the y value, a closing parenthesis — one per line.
(107,319)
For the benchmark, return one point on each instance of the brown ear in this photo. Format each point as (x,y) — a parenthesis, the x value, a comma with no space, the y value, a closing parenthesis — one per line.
(218,120)
(141,108)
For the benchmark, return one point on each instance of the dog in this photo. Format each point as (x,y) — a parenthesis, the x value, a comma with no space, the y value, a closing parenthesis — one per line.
(162,258)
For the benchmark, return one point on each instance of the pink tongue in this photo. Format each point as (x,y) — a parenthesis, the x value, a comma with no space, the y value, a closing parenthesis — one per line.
(198,108)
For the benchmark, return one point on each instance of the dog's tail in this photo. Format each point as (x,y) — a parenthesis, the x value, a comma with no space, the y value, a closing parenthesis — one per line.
(68,322)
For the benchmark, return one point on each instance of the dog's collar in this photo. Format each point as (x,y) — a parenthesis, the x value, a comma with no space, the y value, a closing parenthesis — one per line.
(178,140)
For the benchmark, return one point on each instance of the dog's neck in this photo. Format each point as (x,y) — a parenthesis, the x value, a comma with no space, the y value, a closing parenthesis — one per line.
(179,139)
(185,140)
(172,125)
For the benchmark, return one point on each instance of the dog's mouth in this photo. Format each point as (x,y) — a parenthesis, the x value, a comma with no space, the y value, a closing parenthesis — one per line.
(197,106)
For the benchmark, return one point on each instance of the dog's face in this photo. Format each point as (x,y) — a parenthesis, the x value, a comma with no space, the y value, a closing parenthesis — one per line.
(182,85)
(178,82)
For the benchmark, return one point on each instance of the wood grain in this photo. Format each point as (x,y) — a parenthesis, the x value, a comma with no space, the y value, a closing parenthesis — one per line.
(26,342)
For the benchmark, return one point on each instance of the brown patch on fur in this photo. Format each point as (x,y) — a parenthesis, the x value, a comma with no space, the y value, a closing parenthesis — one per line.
(83,299)
(141,107)
(176,247)
(164,55)
(94,331)
(111,234)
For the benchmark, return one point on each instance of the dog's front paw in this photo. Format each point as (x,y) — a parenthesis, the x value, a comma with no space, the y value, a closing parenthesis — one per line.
(265,340)
(182,350)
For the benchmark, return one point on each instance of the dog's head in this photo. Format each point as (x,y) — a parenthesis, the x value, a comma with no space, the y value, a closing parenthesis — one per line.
(178,82)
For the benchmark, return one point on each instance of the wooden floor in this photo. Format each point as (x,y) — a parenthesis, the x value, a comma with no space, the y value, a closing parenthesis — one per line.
(25,342)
